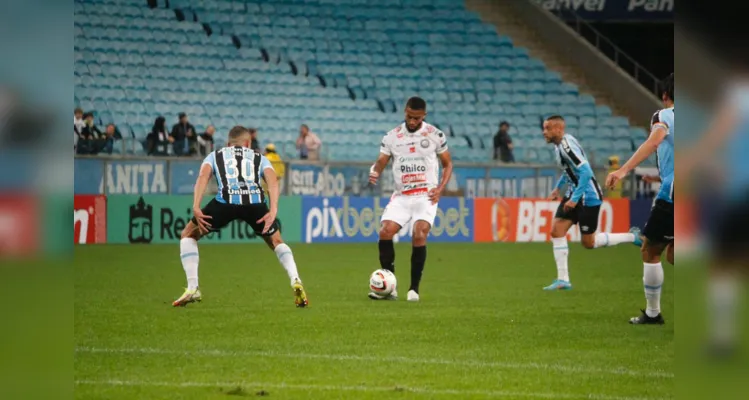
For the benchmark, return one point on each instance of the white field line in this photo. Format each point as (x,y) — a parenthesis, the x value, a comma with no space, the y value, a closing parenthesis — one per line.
(345,357)
(310,387)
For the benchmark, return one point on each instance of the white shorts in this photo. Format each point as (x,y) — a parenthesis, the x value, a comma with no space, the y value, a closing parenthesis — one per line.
(402,209)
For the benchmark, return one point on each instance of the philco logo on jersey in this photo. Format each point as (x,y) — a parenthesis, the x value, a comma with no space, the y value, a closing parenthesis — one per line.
(413,168)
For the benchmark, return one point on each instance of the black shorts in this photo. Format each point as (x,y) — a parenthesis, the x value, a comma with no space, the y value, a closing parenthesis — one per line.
(660,225)
(222,214)
(729,233)
(585,216)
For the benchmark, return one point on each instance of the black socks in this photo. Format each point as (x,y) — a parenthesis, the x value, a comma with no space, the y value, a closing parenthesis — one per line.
(418,258)
(387,255)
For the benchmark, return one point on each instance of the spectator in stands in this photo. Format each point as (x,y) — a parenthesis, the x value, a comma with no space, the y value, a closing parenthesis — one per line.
(308,144)
(277,162)
(253,135)
(182,136)
(90,139)
(158,140)
(110,135)
(205,141)
(78,123)
(503,144)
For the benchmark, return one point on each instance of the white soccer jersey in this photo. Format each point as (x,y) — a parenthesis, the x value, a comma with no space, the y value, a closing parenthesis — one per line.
(415,161)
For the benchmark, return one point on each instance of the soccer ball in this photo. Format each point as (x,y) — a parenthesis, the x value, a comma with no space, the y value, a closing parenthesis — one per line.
(382,282)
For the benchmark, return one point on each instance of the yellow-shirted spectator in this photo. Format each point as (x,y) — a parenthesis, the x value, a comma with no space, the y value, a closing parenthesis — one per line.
(616,192)
(278,165)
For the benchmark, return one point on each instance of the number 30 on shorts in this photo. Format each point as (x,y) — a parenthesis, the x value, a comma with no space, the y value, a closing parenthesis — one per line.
(247,169)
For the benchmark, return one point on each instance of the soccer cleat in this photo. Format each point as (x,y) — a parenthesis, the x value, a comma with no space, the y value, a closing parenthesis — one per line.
(412,296)
(190,296)
(392,296)
(300,296)
(644,319)
(559,284)
(638,236)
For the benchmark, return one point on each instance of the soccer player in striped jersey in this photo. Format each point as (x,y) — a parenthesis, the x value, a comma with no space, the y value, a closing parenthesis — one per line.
(659,230)
(237,170)
(580,204)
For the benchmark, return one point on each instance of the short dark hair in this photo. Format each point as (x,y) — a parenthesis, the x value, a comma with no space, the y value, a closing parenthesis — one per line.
(237,132)
(503,123)
(416,103)
(555,117)
(182,115)
(251,131)
(88,114)
(78,110)
(667,86)
(305,126)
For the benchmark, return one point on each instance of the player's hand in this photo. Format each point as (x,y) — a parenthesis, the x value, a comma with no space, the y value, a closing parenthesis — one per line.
(570,205)
(203,225)
(434,195)
(555,195)
(614,178)
(373,176)
(267,220)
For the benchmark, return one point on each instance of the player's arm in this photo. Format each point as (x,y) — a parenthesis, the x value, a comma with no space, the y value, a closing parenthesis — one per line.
(556,193)
(382,161)
(206,170)
(447,169)
(269,174)
(657,135)
(585,174)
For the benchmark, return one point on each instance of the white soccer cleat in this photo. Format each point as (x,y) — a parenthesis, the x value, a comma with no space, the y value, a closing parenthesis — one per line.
(412,296)
(190,296)
(392,296)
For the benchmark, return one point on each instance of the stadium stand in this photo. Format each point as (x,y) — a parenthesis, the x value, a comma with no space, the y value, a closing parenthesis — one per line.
(345,67)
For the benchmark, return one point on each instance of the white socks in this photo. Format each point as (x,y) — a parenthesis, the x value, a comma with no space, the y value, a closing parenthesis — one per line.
(560,256)
(188,252)
(652,279)
(286,258)
(723,293)
(612,239)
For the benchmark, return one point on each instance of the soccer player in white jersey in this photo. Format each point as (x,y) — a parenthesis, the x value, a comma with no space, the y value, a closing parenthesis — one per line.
(417,149)
(581,203)
(237,170)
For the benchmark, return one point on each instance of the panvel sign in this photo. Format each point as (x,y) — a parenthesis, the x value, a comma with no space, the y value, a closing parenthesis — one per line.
(89,219)
(357,219)
(161,219)
(529,220)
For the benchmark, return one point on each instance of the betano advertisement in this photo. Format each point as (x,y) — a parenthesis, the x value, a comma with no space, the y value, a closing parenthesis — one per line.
(161,218)
(528,220)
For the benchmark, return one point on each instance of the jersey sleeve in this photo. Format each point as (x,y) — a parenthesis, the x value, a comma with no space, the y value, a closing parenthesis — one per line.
(385,146)
(441,142)
(572,151)
(661,119)
(210,160)
(264,164)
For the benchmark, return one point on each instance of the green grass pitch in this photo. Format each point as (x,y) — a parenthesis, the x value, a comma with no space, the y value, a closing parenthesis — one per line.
(483,329)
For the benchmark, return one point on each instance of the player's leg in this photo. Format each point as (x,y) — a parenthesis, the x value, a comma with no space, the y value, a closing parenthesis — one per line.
(424,213)
(251,214)
(592,240)
(395,216)
(659,232)
(188,250)
(670,253)
(286,258)
(563,221)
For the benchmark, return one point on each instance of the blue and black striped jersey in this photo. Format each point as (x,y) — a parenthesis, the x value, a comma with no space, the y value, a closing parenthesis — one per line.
(238,171)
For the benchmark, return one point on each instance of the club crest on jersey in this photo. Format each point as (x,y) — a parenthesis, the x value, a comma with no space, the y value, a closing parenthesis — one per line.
(425,143)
